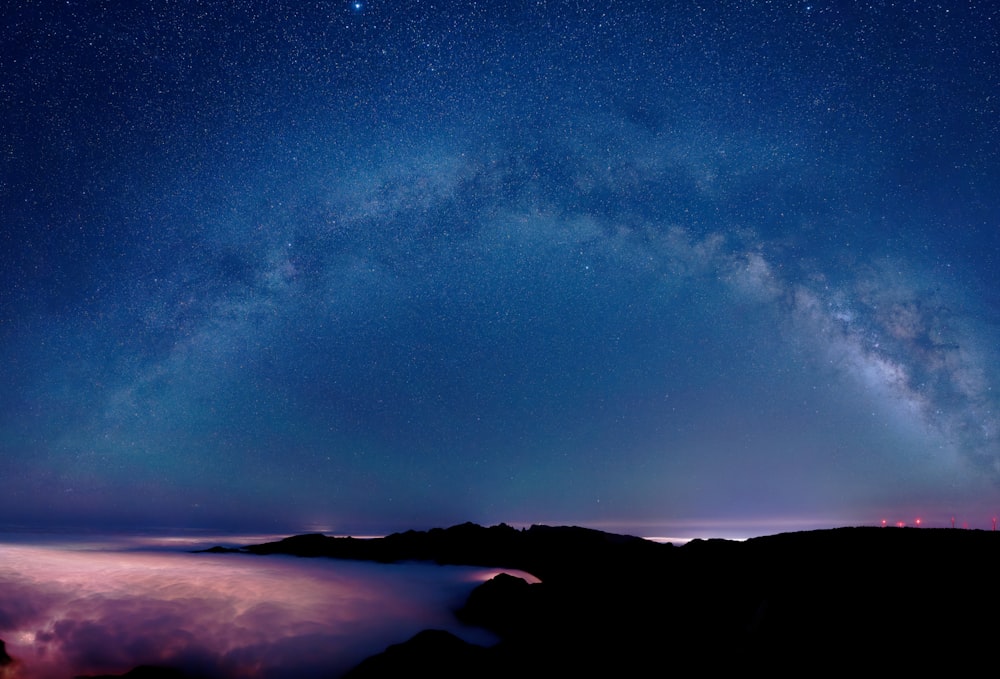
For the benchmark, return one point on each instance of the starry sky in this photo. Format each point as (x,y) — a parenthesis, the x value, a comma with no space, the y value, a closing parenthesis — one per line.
(649,266)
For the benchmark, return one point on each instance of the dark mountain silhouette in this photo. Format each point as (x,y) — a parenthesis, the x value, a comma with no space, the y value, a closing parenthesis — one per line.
(431,653)
(544,551)
(829,601)
(612,604)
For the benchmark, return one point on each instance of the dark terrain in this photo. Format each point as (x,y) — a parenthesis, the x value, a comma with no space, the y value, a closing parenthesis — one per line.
(881,598)
(842,600)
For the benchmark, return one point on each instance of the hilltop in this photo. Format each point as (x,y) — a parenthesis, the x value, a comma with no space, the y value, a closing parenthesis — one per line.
(614,604)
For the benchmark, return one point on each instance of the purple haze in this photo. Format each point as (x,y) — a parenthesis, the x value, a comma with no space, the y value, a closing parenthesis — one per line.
(78,609)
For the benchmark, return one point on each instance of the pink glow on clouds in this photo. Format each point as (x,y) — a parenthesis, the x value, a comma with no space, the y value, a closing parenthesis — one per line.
(65,612)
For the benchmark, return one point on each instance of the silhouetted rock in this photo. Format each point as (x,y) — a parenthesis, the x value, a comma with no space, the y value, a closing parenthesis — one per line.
(434,654)
(219,549)
(5,659)
(505,605)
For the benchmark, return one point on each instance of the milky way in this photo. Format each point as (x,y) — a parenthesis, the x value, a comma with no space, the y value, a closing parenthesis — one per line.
(391,265)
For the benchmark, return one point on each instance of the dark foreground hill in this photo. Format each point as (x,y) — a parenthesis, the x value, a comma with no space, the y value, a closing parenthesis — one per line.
(614,605)
(856,600)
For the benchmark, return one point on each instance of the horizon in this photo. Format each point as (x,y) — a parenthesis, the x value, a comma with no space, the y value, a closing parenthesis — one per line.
(677,532)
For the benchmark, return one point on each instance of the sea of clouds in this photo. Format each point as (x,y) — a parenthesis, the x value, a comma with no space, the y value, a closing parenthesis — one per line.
(71,609)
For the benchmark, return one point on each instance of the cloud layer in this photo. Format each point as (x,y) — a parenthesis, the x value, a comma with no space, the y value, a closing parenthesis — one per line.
(69,611)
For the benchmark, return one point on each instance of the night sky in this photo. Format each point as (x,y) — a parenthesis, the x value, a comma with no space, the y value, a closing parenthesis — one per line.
(649,266)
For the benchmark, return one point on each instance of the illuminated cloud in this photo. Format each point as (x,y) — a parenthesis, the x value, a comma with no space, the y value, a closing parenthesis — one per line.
(67,612)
